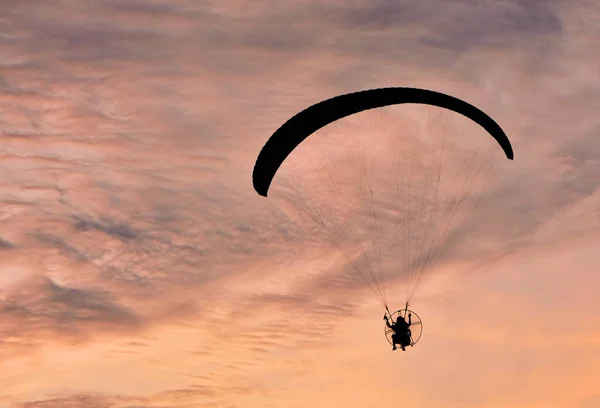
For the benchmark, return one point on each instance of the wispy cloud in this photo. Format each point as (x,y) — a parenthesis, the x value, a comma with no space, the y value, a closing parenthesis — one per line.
(138,267)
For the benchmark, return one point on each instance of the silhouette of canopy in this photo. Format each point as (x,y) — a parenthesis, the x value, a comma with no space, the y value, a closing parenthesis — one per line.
(299,127)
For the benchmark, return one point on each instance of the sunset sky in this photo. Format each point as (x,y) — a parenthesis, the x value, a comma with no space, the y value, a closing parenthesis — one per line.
(139,268)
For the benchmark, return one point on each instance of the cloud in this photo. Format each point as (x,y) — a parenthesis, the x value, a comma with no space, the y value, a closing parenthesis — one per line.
(4,244)
(42,307)
(463,26)
(108,227)
(136,258)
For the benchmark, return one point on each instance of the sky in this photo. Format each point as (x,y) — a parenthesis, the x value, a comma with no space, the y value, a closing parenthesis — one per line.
(138,267)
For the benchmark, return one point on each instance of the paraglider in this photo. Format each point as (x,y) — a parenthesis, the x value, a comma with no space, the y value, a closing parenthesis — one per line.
(396,196)
(399,331)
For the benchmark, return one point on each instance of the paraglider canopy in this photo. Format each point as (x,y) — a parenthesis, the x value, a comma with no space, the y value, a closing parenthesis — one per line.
(303,124)
(390,198)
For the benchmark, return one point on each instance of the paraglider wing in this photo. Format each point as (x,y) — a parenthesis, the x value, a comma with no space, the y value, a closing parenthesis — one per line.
(303,124)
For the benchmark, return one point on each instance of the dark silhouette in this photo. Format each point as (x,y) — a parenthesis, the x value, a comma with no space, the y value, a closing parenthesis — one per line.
(303,124)
(401,330)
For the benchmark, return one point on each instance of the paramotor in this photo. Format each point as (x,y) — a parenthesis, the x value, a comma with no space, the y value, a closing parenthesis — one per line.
(391,198)
(416,327)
